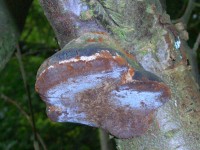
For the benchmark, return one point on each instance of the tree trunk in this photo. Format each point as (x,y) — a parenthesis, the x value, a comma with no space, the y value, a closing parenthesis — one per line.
(143,29)
(105,141)
(12,19)
(176,124)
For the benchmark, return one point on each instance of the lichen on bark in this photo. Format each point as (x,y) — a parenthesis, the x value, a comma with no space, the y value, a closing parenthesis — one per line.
(176,124)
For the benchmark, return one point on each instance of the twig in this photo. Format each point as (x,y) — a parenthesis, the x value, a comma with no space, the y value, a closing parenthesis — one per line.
(27,34)
(196,44)
(19,57)
(41,141)
(188,11)
(104,140)
(26,86)
(186,16)
(197,4)
(7,99)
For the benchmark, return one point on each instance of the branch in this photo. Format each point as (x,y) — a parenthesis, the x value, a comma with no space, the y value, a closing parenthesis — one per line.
(11,101)
(197,43)
(26,86)
(188,12)
(186,16)
(19,57)
(61,19)
(104,139)
(197,4)
(7,99)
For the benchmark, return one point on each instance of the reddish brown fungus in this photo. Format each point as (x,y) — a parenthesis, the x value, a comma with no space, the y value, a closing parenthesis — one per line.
(95,84)
(100,89)
(91,40)
(100,39)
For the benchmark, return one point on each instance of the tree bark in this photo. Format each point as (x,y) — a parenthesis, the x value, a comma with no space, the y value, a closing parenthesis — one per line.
(12,16)
(176,124)
(104,140)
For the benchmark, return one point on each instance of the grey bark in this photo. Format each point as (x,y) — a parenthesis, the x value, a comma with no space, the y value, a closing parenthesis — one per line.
(188,12)
(9,34)
(176,124)
(12,19)
(104,140)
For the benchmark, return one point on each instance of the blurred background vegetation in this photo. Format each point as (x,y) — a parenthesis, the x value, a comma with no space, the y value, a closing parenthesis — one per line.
(36,43)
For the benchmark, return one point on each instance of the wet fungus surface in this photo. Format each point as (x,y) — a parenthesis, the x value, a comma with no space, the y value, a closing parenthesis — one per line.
(98,87)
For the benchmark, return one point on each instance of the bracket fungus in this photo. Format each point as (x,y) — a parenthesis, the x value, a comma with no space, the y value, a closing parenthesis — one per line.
(94,84)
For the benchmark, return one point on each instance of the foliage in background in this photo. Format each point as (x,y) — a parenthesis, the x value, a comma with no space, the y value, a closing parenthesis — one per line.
(37,29)
(37,43)
(16,131)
